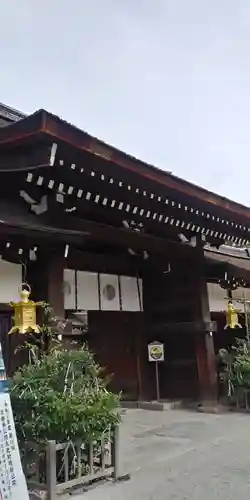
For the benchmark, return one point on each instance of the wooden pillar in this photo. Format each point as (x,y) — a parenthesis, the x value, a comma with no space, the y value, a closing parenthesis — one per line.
(205,356)
(206,367)
(140,355)
(55,285)
(46,279)
(45,276)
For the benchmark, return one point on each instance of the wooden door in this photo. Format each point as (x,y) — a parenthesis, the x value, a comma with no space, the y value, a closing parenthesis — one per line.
(113,338)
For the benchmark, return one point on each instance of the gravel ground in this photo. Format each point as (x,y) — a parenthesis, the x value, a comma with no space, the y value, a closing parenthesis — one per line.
(181,455)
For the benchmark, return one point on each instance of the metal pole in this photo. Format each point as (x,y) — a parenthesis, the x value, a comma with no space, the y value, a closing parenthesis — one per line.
(246,320)
(245,302)
(157,381)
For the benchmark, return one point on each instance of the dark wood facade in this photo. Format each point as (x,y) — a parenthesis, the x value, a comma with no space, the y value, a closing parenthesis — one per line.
(61,187)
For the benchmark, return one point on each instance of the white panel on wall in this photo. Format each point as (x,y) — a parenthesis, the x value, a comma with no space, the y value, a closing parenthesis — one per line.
(109,292)
(239,294)
(129,293)
(69,289)
(11,279)
(217,297)
(87,291)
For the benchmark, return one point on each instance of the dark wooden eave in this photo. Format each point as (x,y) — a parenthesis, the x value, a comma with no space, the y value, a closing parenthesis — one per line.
(44,123)
(16,220)
(237,263)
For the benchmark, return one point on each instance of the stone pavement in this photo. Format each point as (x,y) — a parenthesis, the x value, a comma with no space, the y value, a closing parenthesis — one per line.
(181,455)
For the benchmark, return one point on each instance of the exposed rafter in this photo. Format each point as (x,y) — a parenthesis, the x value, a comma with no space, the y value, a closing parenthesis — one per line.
(169,212)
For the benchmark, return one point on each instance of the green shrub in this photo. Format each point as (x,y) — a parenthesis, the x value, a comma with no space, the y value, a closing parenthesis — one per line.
(62,396)
(236,366)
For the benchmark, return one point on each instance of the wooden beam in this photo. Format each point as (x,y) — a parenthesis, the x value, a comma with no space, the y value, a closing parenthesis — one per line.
(105,263)
(104,189)
(183,327)
(24,159)
(121,237)
(112,192)
(42,233)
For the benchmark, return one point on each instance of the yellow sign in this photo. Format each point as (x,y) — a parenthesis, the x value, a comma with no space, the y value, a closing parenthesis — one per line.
(25,312)
(156,351)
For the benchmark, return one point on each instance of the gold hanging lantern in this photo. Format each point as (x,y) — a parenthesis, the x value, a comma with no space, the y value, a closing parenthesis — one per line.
(25,312)
(232,317)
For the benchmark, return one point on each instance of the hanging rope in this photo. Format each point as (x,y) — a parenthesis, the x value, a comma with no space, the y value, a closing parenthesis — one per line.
(24,271)
(69,445)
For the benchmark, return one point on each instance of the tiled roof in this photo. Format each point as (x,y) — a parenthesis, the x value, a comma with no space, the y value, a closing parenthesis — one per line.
(204,204)
(10,114)
(229,251)
(236,257)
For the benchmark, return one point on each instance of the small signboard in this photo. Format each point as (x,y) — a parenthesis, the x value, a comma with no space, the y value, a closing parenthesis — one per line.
(12,481)
(156,351)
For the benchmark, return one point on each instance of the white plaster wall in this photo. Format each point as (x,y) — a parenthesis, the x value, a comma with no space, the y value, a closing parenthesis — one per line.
(129,293)
(87,291)
(114,304)
(241,293)
(10,281)
(90,291)
(217,298)
(69,289)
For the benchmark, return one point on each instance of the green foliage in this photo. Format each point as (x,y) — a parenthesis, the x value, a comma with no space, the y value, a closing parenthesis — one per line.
(236,366)
(62,396)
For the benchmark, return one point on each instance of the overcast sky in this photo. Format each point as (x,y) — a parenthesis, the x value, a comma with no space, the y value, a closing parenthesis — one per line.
(165,80)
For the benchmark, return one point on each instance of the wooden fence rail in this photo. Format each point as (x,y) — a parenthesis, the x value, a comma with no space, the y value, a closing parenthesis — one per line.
(56,467)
